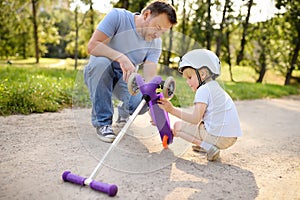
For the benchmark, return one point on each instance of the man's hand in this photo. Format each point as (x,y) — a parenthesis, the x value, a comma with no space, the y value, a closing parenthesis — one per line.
(126,66)
(98,47)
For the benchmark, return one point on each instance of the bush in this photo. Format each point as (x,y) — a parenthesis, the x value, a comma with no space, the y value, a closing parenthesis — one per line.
(30,90)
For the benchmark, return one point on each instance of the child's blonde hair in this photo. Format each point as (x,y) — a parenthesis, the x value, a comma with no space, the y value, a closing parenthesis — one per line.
(190,71)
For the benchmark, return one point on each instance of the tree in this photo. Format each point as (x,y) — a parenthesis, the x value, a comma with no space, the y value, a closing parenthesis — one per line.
(38,29)
(62,18)
(91,14)
(261,35)
(122,4)
(131,5)
(199,23)
(77,27)
(11,29)
(184,28)
(228,58)
(229,28)
(245,27)
(208,25)
(34,4)
(262,58)
(292,34)
(169,51)
(220,36)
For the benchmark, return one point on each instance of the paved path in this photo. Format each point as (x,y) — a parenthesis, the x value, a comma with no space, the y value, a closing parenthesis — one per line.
(264,164)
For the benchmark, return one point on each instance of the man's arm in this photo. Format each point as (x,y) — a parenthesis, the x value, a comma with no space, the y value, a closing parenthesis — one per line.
(149,70)
(97,46)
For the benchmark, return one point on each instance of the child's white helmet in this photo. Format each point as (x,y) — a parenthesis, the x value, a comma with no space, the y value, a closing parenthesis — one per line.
(199,58)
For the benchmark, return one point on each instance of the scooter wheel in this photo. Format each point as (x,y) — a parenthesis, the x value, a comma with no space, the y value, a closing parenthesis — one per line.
(165,141)
(169,87)
(132,86)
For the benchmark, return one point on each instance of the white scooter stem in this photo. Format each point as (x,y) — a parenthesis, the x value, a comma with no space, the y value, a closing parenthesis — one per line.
(115,142)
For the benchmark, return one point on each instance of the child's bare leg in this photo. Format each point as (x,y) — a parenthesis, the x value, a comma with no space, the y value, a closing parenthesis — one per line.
(189,135)
(177,132)
(151,119)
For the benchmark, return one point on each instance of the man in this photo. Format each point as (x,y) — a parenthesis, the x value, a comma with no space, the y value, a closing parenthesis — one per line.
(122,41)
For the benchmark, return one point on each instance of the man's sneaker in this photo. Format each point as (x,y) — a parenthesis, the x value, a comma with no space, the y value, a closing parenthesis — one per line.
(105,133)
(120,123)
(199,149)
(213,153)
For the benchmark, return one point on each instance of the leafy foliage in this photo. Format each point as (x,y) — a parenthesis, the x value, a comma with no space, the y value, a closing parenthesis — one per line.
(29,90)
(271,44)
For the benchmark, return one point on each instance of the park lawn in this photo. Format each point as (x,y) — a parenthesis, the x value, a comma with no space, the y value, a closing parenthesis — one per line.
(28,90)
(45,63)
(237,90)
(53,84)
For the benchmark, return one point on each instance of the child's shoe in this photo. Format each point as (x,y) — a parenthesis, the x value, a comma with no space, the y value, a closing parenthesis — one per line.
(199,149)
(213,153)
(120,123)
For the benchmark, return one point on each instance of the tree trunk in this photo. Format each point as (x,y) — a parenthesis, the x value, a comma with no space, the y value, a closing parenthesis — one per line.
(229,55)
(220,37)
(293,62)
(35,30)
(262,61)
(263,43)
(243,41)
(23,44)
(92,16)
(125,4)
(262,73)
(167,67)
(76,38)
(183,31)
(208,26)
(77,27)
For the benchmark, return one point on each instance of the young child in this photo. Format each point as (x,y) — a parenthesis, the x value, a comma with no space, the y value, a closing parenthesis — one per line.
(214,123)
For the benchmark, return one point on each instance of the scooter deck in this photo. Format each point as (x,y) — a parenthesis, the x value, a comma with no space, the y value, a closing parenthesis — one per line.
(159,116)
(162,121)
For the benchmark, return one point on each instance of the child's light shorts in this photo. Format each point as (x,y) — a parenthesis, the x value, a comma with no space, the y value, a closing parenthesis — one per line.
(199,131)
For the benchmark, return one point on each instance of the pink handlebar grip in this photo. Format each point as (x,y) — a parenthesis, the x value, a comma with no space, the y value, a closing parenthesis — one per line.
(111,190)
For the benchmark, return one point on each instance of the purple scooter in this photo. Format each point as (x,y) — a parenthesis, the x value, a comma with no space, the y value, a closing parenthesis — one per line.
(150,90)
(160,117)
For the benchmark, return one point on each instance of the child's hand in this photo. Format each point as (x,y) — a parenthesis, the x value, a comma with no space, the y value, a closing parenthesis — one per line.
(165,104)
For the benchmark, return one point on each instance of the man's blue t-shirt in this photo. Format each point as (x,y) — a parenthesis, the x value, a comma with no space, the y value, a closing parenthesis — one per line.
(119,26)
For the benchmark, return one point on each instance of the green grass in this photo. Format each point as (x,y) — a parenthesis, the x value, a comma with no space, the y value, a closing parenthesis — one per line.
(244,87)
(246,90)
(53,84)
(184,96)
(29,90)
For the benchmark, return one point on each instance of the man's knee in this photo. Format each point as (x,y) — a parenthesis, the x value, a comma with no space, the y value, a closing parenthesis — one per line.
(144,110)
(96,66)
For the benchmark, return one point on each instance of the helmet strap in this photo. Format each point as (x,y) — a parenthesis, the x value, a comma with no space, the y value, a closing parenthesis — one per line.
(199,78)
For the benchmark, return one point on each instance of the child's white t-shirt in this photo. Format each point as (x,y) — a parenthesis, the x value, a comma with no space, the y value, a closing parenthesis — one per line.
(221,117)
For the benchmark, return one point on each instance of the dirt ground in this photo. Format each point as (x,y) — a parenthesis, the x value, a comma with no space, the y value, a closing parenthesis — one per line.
(264,164)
